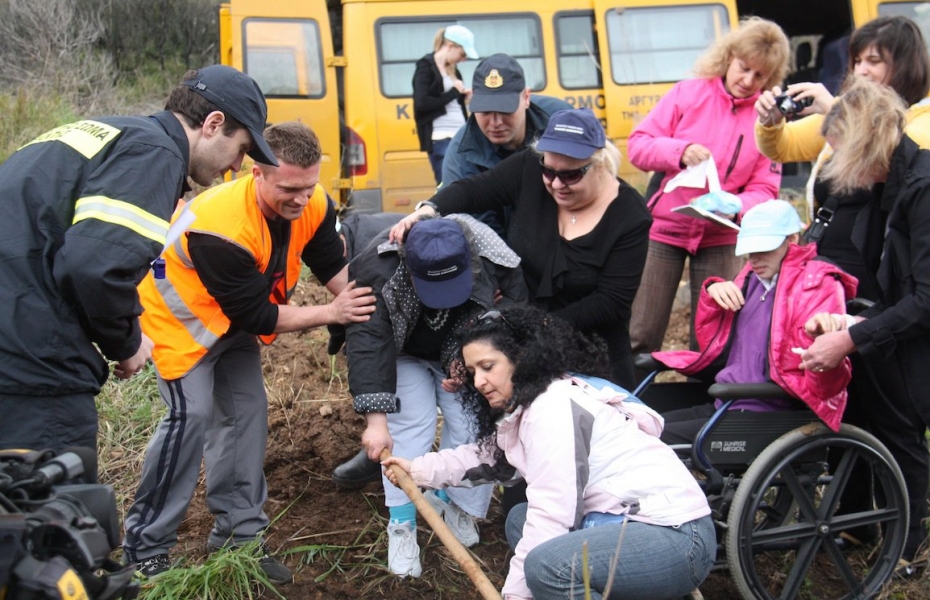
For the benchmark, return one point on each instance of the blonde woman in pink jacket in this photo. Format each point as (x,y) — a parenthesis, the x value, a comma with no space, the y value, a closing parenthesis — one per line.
(709,117)
(596,473)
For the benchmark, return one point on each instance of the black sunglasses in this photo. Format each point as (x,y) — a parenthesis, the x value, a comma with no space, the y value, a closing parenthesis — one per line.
(567,177)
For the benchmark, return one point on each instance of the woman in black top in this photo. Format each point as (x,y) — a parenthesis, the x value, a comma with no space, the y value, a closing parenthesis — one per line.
(439,95)
(581,232)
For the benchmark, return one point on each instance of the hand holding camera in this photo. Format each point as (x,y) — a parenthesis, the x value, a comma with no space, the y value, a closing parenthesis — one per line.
(789,106)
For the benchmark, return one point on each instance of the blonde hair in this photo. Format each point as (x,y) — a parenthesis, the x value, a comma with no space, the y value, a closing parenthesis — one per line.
(607,158)
(756,40)
(865,124)
(439,41)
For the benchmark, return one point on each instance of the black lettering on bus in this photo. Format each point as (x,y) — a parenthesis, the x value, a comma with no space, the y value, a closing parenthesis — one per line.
(402,112)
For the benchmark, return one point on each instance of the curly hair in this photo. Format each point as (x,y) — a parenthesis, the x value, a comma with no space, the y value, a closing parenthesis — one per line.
(901,45)
(865,124)
(756,40)
(541,347)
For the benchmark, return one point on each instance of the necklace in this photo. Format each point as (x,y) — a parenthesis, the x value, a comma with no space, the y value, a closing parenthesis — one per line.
(574,220)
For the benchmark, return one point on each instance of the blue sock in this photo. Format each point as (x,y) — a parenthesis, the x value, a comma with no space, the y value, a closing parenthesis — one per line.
(442,495)
(404,513)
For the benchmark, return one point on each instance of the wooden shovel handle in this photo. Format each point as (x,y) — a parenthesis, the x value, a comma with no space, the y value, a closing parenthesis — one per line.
(455,547)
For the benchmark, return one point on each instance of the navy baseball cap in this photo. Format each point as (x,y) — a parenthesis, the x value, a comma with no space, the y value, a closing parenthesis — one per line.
(497,85)
(238,96)
(439,260)
(574,132)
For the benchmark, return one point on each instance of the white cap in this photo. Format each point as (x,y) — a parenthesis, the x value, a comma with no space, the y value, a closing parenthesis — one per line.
(464,38)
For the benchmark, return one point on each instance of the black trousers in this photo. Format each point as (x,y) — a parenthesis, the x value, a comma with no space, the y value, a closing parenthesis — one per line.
(879,403)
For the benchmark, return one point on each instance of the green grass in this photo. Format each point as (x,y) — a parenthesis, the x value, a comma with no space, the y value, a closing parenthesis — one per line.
(225,575)
(24,114)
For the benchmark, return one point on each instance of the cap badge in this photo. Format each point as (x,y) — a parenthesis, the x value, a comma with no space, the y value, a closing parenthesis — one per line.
(493,80)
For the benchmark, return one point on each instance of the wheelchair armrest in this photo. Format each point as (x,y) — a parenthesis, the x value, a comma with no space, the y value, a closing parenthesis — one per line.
(646,362)
(739,391)
(855,306)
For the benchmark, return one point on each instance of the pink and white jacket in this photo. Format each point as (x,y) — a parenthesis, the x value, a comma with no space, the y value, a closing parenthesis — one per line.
(701,111)
(580,450)
(806,286)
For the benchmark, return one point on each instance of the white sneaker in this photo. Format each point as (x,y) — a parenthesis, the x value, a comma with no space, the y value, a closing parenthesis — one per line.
(461,523)
(403,551)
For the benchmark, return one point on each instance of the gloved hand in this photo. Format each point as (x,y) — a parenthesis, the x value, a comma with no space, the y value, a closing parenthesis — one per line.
(720,202)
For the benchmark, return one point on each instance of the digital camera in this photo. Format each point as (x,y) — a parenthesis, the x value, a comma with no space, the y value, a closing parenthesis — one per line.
(789,106)
(56,536)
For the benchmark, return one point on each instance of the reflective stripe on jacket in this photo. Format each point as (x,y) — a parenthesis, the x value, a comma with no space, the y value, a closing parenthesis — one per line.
(180,316)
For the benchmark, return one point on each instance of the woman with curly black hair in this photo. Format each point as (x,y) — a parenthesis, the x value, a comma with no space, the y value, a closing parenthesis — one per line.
(597,474)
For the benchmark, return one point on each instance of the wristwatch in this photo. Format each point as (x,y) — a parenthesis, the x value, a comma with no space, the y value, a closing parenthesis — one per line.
(423,203)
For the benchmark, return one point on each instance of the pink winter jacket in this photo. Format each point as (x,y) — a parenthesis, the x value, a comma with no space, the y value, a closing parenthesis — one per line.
(701,111)
(805,286)
(625,470)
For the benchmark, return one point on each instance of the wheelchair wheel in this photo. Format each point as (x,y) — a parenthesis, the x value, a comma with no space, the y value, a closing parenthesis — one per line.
(784,526)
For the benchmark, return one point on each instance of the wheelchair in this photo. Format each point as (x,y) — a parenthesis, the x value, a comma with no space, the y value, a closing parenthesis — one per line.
(775,483)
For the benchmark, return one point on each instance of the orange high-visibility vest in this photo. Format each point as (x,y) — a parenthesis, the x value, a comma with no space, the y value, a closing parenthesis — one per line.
(180,316)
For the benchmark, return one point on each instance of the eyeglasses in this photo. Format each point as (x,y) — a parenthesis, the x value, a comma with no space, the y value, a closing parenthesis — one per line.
(567,177)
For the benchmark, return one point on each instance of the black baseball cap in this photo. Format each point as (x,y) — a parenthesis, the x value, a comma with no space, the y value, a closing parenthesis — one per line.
(497,85)
(237,95)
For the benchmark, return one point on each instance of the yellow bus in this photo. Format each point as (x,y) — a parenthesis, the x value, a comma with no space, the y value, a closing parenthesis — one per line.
(355,89)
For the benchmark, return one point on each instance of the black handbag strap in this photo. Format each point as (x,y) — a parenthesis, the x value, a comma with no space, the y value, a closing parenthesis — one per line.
(821,221)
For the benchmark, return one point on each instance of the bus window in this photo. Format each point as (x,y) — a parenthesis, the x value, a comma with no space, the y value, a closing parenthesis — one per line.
(284,57)
(660,44)
(576,47)
(919,12)
(402,43)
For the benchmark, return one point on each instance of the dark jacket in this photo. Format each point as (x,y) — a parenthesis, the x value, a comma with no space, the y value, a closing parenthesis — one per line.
(589,281)
(897,329)
(372,347)
(470,152)
(429,99)
(86,209)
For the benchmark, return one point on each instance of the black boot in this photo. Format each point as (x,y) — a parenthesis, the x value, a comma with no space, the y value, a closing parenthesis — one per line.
(357,472)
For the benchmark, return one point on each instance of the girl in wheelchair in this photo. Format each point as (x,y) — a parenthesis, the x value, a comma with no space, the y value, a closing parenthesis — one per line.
(757,325)
(596,473)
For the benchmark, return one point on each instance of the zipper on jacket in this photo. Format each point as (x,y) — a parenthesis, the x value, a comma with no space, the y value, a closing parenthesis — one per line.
(739,144)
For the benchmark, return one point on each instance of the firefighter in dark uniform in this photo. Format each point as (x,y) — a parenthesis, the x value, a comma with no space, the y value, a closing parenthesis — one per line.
(85,210)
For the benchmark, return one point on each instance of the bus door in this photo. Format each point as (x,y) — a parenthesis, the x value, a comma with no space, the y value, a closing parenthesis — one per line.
(286,46)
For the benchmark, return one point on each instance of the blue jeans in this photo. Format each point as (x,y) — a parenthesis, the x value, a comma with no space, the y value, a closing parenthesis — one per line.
(437,152)
(655,563)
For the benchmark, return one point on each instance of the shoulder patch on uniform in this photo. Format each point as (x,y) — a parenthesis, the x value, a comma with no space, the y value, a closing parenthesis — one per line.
(86,137)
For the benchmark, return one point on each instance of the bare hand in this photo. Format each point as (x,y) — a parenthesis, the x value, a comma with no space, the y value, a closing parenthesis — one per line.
(126,368)
(352,305)
(457,84)
(376,437)
(694,154)
(468,95)
(399,231)
(827,351)
(402,463)
(727,295)
(823,99)
(824,322)
(767,110)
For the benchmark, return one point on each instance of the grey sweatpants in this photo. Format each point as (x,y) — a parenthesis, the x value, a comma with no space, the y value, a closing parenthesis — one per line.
(218,412)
